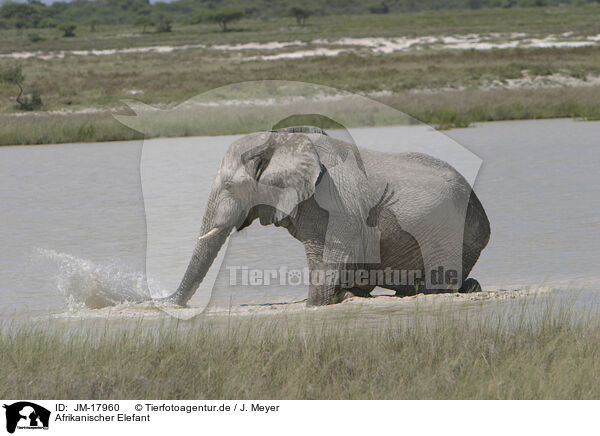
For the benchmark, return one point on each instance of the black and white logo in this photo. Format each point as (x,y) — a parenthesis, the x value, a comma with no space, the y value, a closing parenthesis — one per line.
(26,415)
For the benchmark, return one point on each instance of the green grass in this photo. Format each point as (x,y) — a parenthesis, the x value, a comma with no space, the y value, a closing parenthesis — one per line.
(549,354)
(54,129)
(443,110)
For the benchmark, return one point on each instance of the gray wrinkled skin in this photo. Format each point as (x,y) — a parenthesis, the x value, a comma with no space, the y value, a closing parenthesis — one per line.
(352,208)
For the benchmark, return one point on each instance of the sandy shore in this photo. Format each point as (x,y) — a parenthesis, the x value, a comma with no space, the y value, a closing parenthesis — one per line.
(368,309)
(276,50)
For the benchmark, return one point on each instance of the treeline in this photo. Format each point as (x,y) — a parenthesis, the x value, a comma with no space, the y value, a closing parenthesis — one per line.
(35,14)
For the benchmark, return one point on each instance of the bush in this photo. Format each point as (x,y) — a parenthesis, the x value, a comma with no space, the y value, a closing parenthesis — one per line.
(31,102)
(444,119)
(163,25)
(34,37)
(68,29)
(47,23)
(381,8)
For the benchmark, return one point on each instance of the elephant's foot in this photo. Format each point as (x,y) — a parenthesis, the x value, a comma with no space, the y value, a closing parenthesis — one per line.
(348,295)
(410,290)
(324,296)
(357,292)
(470,285)
(405,293)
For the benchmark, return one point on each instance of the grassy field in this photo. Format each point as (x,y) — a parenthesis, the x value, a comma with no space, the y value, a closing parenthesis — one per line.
(536,21)
(444,110)
(552,355)
(447,88)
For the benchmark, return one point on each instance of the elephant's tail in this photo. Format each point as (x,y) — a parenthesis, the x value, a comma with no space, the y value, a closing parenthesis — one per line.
(476,234)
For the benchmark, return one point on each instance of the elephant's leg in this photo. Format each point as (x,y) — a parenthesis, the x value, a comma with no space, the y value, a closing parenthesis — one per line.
(360,292)
(470,285)
(405,291)
(342,289)
(324,287)
(357,291)
(358,281)
(322,295)
(410,289)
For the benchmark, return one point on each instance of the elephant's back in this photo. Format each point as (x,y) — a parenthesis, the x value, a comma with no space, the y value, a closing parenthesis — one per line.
(421,182)
(434,202)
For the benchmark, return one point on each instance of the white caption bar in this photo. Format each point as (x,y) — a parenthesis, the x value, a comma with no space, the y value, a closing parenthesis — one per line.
(298,417)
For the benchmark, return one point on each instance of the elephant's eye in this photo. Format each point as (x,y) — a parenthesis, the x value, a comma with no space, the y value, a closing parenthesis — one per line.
(257,160)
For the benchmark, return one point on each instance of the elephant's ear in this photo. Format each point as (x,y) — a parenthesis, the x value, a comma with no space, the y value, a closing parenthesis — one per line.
(346,172)
(345,193)
(286,168)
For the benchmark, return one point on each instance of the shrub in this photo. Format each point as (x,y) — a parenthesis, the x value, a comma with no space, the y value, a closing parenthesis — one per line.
(47,23)
(163,25)
(31,102)
(444,119)
(381,8)
(34,37)
(68,29)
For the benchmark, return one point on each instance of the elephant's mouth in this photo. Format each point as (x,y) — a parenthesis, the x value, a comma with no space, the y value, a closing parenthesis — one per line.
(245,223)
(266,215)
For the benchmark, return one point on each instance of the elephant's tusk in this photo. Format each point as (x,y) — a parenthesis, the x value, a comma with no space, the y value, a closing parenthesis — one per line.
(211,233)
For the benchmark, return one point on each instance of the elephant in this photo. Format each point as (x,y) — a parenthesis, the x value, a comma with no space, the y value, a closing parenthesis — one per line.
(355,211)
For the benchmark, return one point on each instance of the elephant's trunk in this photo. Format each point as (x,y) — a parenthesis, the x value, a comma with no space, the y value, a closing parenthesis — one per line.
(212,237)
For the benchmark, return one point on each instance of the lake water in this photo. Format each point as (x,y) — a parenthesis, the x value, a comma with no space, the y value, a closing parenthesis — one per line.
(82,223)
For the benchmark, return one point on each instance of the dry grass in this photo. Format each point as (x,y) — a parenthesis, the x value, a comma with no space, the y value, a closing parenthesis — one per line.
(552,353)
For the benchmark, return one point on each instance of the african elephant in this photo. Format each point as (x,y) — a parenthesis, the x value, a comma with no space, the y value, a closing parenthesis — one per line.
(355,211)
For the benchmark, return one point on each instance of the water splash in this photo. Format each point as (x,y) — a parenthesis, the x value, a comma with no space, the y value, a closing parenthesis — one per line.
(88,285)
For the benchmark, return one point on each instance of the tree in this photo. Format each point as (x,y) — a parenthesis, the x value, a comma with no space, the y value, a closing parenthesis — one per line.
(93,24)
(301,14)
(226,15)
(144,22)
(68,29)
(22,14)
(14,76)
